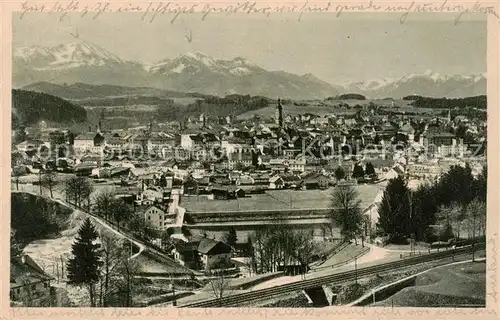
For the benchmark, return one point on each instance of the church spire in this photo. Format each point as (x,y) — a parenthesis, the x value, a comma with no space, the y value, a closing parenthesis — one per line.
(279,114)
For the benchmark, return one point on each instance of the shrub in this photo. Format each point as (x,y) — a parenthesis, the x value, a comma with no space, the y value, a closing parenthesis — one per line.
(350,292)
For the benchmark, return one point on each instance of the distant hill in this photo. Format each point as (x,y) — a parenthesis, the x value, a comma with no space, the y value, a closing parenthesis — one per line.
(77,91)
(30,107)
(348,96)
(479,102)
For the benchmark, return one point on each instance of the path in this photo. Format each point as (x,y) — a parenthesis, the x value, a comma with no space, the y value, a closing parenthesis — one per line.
(58,198)
(376,254)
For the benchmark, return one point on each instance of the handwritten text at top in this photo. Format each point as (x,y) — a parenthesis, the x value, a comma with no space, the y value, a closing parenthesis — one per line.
(153,10)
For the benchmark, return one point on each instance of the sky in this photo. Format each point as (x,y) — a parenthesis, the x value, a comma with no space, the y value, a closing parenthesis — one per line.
(352,47)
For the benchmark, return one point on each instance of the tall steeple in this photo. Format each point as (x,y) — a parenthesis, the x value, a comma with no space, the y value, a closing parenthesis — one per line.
(279,114)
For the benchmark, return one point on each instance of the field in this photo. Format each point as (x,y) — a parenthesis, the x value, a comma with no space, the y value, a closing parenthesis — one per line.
(447,286)
(323,108)
(276,200)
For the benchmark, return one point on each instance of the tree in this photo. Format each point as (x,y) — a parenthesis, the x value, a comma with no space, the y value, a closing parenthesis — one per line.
(452,216)
(457,184)
(230,238)
(346,212)
(17,175)
(304,249)
(476,214)
(475,217)
(77,190)
(49,180)
(111,253)
(219,282)
(358,172)
(393,211)
(128,268)
(369,170)
(339,173)
(122,212)
(104,204)
(481,184)
(83,267)
(424,209)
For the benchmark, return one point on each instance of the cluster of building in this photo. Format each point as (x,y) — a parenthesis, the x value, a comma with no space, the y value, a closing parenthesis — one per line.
(154,169)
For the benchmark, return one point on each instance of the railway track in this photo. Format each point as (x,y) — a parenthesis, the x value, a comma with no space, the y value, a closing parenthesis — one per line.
(241,298)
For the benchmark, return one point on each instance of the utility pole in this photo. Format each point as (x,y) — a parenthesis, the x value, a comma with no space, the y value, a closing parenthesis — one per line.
(473,233)
(174,302)
(412,243)
(356,269)
(40,180)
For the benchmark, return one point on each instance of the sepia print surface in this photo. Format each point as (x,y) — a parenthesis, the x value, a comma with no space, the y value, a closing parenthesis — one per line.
(284,160)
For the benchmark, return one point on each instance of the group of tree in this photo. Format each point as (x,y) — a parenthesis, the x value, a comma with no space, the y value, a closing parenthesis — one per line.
(215,106)
(348,96)
(34,218)
(111,208)
(447,103)
(455,201)
(78,191)
(30,107)
(103,266)
(277,245)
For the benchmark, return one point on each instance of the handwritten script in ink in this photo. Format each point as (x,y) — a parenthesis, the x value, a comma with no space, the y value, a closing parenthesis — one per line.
(154,10)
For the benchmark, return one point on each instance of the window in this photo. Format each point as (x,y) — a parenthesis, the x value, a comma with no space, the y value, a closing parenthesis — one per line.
(149,217)
(33,287)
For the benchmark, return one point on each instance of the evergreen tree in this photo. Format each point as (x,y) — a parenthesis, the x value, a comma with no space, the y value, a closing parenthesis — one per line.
(394,218)
(231,237)
(339,173)
(358,172)
(369,170)
(424,209)
(83,267)
(457,184)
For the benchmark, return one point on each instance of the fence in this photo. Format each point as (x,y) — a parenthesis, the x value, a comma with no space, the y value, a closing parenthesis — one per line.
(365,250)
(339,247)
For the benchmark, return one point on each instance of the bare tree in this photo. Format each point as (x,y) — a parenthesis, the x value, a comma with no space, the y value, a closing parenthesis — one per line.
(49,180)
(78,189)
(111,257)
(452,216)
(304,248)
(346,212)
(219,281)
(129,268)
(104,204)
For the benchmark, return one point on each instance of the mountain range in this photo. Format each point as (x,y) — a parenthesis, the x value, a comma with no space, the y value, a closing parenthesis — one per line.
(83,62)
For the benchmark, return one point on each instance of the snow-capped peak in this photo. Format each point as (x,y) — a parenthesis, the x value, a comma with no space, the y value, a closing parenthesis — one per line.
(195,62)
(75,54)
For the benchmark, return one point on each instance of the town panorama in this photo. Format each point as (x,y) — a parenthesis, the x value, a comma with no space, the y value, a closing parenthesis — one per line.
(348,170)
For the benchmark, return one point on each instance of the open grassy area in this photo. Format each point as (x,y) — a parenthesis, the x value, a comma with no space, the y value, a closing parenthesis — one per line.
(276,200)
(446,286)
(323,108)
(344,255)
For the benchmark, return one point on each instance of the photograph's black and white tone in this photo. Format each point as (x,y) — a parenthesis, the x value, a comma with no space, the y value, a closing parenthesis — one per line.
(248,161)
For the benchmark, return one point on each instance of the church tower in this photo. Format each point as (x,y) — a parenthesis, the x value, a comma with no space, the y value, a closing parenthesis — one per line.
(279,114)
